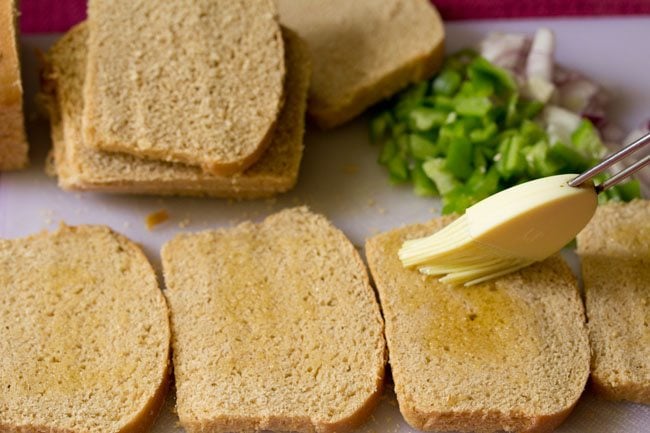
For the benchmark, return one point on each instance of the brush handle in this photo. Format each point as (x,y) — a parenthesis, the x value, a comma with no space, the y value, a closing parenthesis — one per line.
(618,177)
(612,159)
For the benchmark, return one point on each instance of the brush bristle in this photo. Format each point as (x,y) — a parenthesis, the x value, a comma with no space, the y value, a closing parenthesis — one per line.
(453,253)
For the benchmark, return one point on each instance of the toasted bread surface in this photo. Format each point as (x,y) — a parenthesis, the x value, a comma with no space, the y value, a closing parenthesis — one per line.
(364,51)
(275,327)
(85,334)
(197,82)
(614,251)
(13,142)
(509,355)
(81,167)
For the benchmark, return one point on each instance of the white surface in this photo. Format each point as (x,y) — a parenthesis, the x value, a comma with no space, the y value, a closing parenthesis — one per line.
(340,179)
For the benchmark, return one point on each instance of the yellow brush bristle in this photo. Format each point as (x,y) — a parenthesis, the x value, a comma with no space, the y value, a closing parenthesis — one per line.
(453,253)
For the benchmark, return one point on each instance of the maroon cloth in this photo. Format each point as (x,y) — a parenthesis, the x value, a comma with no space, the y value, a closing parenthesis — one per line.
(43,16)
(490,9)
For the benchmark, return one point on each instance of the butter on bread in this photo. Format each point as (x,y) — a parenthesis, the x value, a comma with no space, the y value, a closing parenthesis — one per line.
(508,355)
(85,334)
(614,251)
(13,141)
(199,82)
(364,51)
(80,167)
(274,327)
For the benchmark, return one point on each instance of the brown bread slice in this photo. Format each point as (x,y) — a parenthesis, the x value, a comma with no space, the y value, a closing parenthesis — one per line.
(364,51)
(13,142)
(274,327)
(509,355)
(192,81)
(80,167)
(85,334)
(614,251)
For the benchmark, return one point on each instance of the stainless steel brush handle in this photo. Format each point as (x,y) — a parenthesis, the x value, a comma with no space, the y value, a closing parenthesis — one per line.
(611,160)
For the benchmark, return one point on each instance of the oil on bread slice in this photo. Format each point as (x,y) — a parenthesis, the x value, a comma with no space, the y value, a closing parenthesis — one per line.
(192,81)
(509,355)
(364,51)
(614,250)
(85,334)
(13,142)
(81,167)
(274,327)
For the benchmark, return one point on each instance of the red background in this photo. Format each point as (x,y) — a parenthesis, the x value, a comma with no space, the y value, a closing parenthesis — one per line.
(38,16)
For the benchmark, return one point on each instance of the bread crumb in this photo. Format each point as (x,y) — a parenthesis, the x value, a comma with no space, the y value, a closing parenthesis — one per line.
(184,223)
(371,202)
(156,218)
(382,211)
(126,224)
(350,168)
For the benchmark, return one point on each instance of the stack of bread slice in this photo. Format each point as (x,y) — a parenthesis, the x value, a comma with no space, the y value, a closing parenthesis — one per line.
(185,98)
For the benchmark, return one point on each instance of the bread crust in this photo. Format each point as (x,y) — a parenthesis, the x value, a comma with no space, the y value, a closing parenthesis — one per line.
(629,391)
(305,424)
(81,168)
(516,422)
(13,140)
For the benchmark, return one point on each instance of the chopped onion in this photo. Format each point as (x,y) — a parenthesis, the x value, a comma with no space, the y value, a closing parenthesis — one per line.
(540,58)
(560,123)
(506,50)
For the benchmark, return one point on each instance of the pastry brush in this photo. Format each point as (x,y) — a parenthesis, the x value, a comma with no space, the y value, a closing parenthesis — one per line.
(515,227)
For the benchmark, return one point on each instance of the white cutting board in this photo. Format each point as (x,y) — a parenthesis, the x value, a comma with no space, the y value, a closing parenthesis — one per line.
(341,179)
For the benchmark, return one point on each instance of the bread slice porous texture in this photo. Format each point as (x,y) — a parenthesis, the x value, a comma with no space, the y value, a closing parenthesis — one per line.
(80,167)
(274,327)
(85,334)
(199,82)
(13,141)
(509,355)
(364,51)
(614,251)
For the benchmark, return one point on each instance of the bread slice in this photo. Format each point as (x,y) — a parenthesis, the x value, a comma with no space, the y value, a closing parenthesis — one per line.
(85,334)
(13,142)
(192,81)
(614,250)
(274,327)
(508,355)
(364,51)
(80,167)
